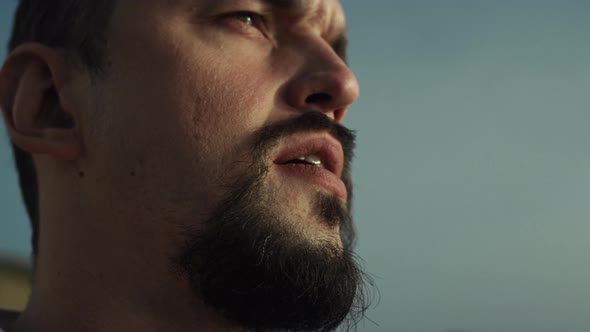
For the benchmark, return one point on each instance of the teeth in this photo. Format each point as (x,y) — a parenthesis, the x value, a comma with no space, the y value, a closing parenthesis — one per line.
(312,159)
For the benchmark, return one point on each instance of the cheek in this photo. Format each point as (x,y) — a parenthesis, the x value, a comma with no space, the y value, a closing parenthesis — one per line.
(222,102)
(180,115)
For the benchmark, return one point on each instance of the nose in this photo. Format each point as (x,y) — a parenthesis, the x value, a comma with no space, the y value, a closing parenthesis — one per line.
(324,84)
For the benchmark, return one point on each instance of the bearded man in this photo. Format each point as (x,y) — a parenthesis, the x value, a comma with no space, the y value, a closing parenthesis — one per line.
(184,165)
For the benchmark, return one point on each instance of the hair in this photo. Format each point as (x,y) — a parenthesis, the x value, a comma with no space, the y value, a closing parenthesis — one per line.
(78,26)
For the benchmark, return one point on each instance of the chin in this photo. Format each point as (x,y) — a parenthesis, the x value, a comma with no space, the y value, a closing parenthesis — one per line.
(260,255)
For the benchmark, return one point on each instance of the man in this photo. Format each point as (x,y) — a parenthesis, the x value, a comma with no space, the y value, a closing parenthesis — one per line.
(184,164)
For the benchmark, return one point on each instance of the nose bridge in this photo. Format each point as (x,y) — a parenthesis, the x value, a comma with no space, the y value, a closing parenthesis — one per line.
(324,82)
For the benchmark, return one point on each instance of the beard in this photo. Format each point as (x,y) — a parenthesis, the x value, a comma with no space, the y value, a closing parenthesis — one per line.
(257,265)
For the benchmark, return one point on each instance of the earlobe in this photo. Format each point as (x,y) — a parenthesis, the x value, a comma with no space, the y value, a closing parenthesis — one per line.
(36,114)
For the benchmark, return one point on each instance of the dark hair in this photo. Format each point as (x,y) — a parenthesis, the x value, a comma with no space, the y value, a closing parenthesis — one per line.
(78,26)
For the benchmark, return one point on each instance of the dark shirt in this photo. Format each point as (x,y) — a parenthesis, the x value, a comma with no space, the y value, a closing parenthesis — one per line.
(7,318)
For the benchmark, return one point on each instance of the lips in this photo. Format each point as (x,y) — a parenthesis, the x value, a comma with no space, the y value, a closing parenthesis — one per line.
(325,148)
(317,159)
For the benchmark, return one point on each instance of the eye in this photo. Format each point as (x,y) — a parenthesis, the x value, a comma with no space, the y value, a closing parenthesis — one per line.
(247,19)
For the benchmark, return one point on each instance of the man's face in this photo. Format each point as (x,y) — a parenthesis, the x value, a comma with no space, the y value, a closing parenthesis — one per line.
(199,126)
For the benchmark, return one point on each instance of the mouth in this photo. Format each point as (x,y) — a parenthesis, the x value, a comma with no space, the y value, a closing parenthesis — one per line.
(317,160)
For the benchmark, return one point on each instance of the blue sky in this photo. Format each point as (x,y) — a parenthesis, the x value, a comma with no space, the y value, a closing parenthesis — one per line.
(473,164)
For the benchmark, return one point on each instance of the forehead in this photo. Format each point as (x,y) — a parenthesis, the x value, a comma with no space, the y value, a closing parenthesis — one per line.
(282,4)
(321,11)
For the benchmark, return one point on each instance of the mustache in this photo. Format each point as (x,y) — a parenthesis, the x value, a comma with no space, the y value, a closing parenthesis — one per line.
(270,136)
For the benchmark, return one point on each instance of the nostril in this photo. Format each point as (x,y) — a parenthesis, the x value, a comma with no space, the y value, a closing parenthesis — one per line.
(318,98)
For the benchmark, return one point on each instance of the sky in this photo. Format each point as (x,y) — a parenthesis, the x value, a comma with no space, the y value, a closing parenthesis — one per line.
(472,172)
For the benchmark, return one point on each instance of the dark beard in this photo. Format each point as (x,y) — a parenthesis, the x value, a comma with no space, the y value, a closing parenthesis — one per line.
(260,271)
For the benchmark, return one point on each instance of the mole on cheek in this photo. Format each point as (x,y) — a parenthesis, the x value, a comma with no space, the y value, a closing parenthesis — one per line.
(81,174)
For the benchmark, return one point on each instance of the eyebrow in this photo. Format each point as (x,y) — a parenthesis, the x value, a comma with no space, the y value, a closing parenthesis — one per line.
(286,4)
(340,44)
(279,4)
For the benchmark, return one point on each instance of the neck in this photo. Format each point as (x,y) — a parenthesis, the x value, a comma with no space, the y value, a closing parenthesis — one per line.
(94,291)
(106,270)
(75,309)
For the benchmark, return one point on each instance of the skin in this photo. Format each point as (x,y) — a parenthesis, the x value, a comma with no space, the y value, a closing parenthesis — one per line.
(150,147)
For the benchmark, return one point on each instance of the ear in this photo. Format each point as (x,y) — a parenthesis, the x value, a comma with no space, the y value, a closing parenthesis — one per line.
(39,116)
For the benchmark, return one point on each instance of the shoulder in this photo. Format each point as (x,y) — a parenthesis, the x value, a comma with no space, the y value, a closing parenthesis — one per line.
(6,319)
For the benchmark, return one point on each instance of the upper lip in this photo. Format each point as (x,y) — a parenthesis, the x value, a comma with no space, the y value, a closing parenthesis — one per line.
(326,147)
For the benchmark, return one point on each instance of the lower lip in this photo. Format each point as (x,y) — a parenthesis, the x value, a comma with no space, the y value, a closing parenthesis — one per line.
(318,176)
